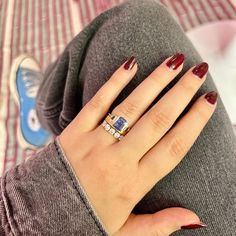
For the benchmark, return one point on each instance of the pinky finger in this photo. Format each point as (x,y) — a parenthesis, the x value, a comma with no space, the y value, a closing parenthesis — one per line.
(172,148)
(99,104)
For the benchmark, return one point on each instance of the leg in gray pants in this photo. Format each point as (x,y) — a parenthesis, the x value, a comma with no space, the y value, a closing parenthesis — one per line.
(205,180)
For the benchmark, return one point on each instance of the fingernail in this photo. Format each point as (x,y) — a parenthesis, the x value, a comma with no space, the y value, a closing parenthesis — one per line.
(130,63)
(194,226)
(211,97)
(201,69)
(175,61)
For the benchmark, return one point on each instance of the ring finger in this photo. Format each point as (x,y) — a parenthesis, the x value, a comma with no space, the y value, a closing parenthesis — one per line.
(159,119)
(144,94)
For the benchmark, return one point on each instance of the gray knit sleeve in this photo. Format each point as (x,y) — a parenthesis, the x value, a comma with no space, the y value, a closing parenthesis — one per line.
(43,197)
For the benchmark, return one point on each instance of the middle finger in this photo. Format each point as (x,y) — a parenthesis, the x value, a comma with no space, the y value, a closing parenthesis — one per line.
(141,97)
(150,128)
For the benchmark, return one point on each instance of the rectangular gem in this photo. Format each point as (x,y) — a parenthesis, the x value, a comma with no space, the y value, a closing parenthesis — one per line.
(120,123)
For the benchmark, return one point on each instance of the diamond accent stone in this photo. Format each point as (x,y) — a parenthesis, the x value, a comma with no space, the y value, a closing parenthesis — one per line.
(112,131)
(116,135)
(104,123)
(107,127)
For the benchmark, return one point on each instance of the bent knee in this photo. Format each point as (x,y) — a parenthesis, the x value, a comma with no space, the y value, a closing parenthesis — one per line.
(141,13)
(144,8)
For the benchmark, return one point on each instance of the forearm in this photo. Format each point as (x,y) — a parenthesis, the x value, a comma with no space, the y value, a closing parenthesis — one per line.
(43,197)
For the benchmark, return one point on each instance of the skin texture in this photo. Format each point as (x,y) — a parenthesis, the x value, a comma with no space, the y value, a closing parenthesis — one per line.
(112,171)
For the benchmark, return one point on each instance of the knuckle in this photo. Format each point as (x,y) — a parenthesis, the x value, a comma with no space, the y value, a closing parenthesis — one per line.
(128,192)
(128,109)
(98,101)
(160,120)
(156,81)
(202,115)
(178,147)
(187,87)
(115,81)
(158,231)
(127,195)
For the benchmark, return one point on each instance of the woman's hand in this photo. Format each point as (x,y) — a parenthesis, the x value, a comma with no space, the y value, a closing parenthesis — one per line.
(117,174)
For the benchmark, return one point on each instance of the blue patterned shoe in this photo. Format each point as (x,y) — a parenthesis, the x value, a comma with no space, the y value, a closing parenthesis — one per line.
(25,78)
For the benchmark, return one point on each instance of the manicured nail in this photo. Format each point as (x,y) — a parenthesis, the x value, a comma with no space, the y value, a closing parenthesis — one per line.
(194,226)
(130,63)
(201,69)
(211,97)
(175,61)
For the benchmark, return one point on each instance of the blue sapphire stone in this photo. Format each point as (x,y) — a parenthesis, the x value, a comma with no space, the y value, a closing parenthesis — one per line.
(120,123)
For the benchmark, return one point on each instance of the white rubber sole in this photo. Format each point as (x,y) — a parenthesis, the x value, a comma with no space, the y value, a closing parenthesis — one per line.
(12,83)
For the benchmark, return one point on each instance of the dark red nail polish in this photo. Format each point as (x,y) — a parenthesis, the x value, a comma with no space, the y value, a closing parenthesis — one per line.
(201,69)
(130,63)
(175,61)
(194,226)
(211,97)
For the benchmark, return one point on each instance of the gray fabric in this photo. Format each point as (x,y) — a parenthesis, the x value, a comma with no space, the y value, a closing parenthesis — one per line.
(42,197)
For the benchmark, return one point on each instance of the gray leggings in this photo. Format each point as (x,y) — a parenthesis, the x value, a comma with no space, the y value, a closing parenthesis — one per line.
(205,180)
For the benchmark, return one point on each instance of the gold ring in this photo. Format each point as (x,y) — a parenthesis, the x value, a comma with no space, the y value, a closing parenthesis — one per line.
(116,125)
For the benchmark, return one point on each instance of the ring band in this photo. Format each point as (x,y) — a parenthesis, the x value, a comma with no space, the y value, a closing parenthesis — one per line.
(116,126)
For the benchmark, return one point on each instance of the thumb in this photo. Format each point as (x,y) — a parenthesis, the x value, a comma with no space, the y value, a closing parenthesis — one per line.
(162,223)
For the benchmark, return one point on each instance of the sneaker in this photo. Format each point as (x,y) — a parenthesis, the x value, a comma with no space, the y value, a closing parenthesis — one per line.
(25,78)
